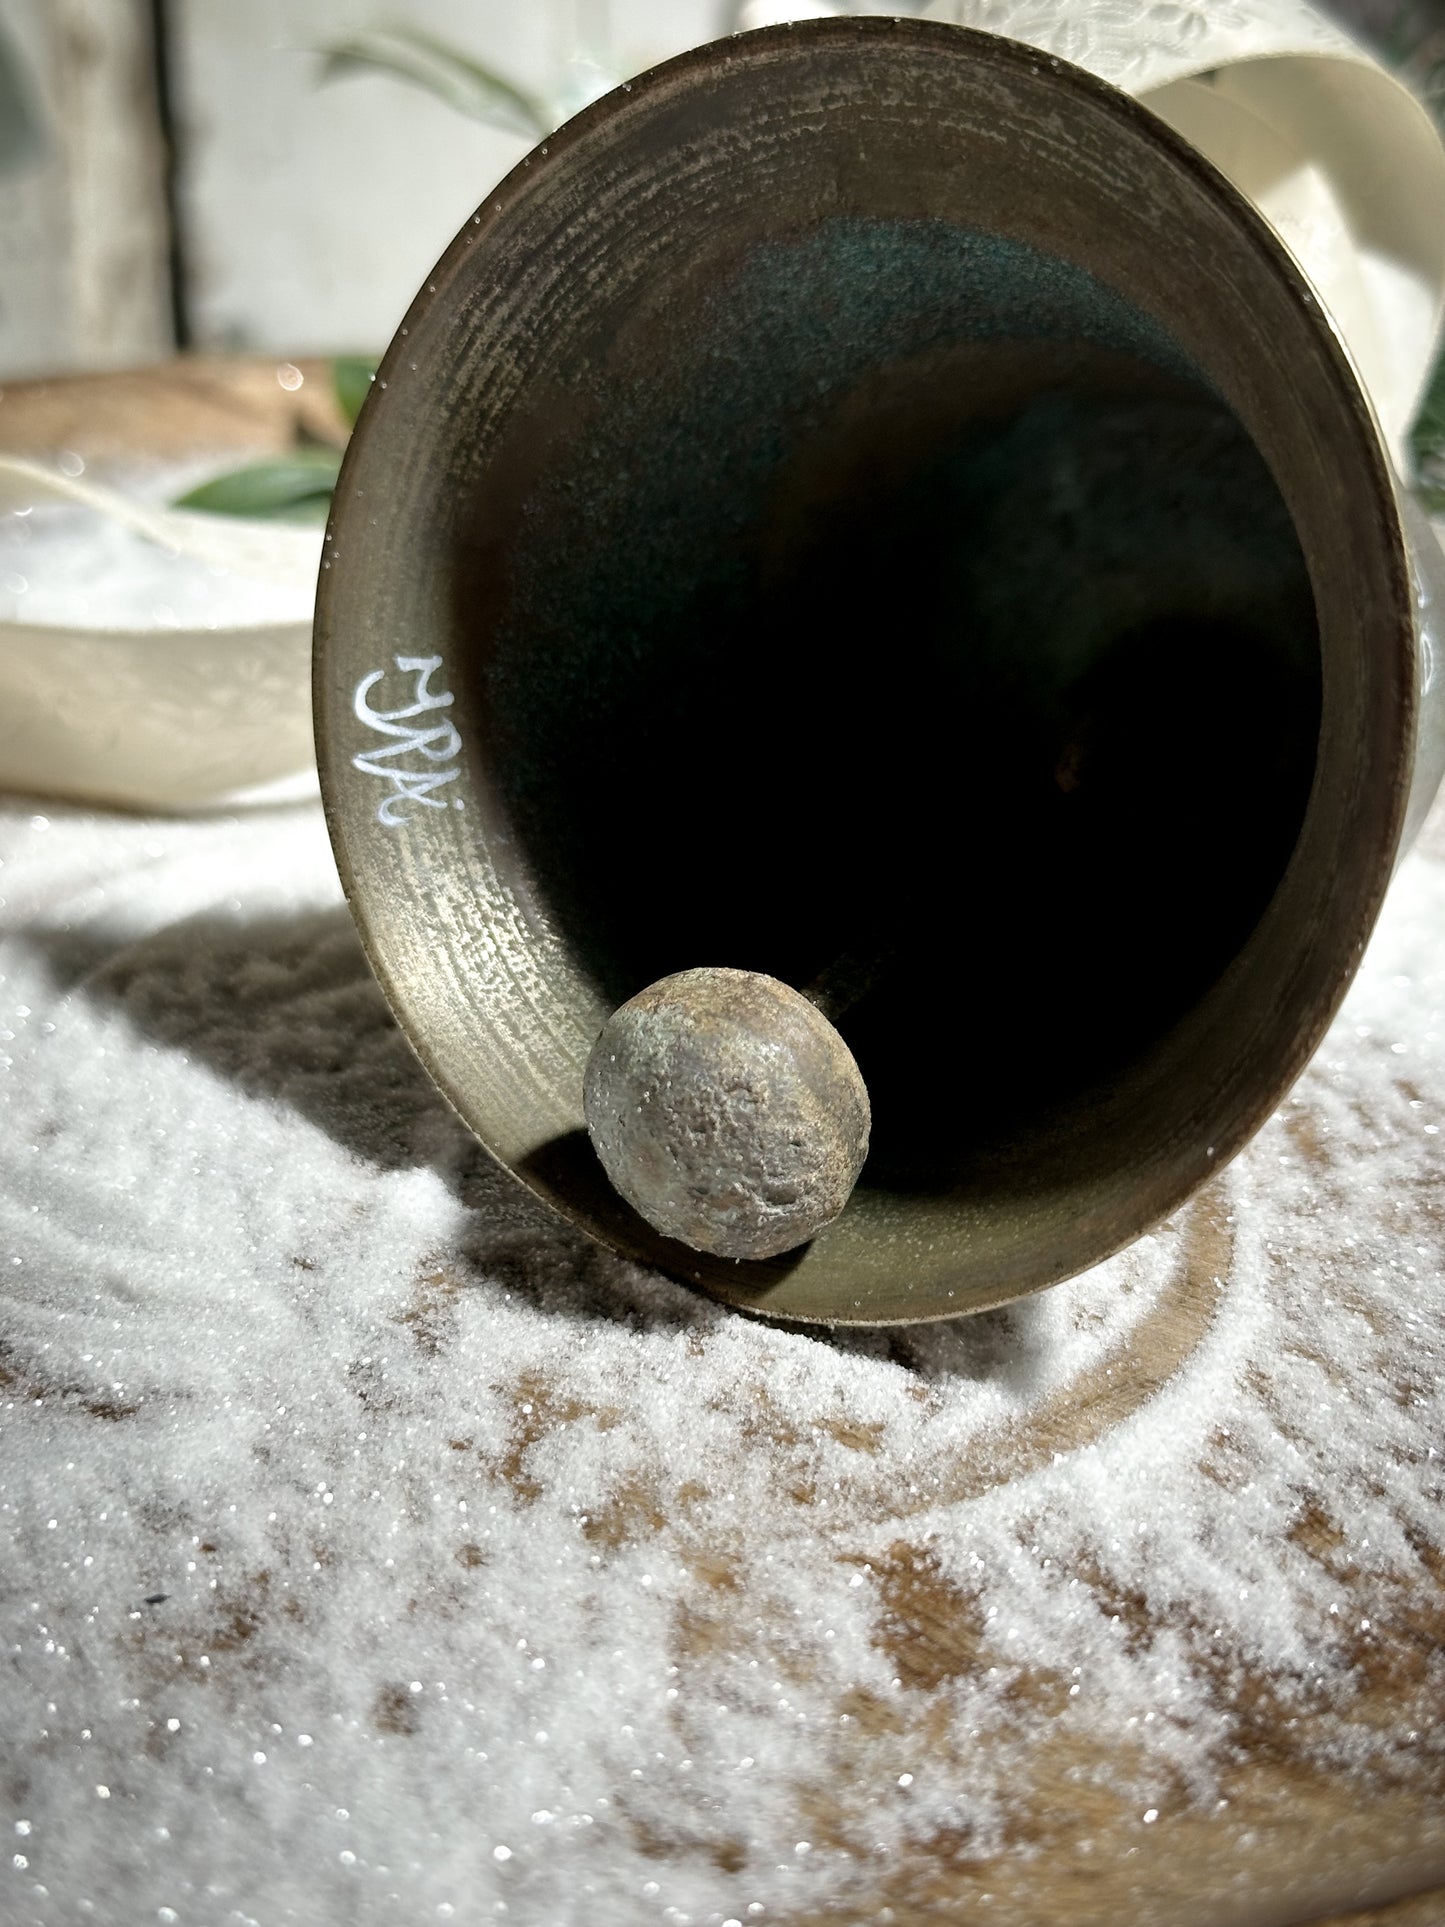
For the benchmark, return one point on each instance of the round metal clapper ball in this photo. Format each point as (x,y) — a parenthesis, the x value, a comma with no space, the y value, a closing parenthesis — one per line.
(728,1111)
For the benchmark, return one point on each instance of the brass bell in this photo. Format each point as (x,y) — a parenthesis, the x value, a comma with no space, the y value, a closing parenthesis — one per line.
(870,486)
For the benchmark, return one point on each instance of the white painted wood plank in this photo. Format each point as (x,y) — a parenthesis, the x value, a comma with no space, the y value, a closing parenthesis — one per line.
(83,231)
(311,213)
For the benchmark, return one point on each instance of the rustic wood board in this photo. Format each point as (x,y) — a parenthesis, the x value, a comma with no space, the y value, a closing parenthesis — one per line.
(244,405)
(83,224)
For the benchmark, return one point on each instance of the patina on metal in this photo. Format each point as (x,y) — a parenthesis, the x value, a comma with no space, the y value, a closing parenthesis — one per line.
(868,485)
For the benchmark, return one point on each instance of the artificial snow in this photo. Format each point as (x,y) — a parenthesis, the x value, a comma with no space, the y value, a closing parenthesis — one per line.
(381,1550)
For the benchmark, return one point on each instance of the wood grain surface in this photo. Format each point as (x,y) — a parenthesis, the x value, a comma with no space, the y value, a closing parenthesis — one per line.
(84,230)
(243,405)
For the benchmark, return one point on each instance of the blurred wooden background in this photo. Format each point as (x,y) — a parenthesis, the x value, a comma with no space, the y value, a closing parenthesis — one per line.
(175,173)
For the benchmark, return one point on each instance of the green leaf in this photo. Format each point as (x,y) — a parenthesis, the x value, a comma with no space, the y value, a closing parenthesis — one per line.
(292,488)
(351,378)
(1427,437)
(463,83)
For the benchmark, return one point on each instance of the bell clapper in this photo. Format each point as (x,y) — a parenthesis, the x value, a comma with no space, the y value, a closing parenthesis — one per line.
(728,1111)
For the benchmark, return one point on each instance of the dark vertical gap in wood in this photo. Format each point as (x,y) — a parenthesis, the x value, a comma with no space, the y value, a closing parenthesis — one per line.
(161,37)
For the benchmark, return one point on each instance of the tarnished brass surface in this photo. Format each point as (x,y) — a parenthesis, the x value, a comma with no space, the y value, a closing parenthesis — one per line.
(672,615)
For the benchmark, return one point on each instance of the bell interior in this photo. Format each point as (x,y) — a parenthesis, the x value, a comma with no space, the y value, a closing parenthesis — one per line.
(919,603)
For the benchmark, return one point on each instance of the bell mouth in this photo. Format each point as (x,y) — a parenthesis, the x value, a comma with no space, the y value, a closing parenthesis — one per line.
(868,488)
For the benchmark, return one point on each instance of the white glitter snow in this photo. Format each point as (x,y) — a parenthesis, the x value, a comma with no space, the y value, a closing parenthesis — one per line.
(358,1513)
